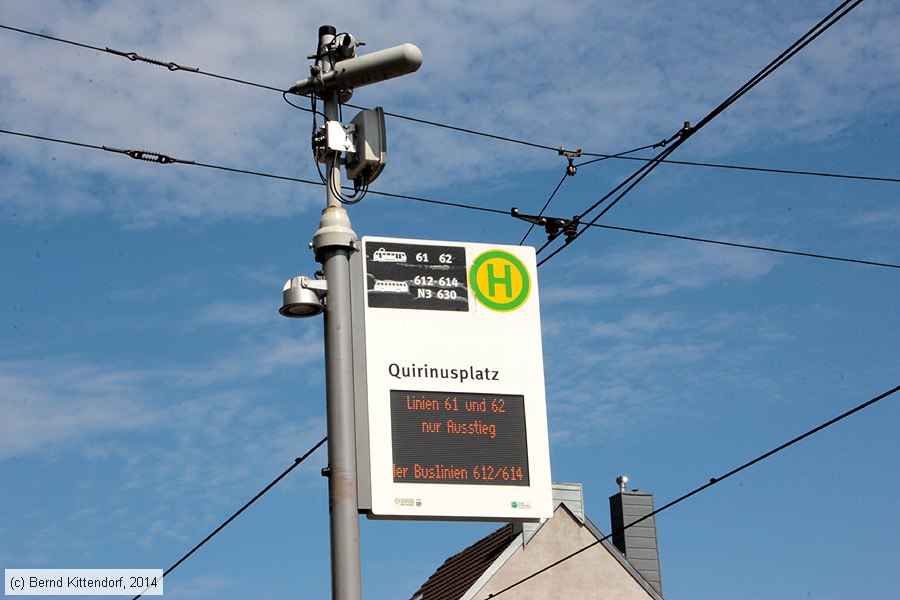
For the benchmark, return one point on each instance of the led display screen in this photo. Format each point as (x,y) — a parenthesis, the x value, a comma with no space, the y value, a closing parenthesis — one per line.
(458,438)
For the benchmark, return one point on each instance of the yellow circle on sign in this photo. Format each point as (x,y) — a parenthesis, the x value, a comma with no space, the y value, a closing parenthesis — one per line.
(499,280)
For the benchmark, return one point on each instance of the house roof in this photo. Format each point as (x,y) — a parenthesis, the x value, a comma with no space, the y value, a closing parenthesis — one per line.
(622,560)
(453,578)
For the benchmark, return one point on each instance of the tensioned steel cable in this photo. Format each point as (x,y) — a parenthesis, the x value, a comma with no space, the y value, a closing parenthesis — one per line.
(284,474)
(713,481)
(746,246)
(157,157)
(160,158)
(762,169)
(172,66)
(135,57)
(544,208)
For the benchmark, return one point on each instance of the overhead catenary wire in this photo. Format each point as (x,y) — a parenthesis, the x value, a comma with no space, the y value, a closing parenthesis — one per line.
(161,158)
(544,208)
(687,131)
(165,159)
(493,136)
(628,184)
(572,169)
(842,10)
(638,175)
(172,66)
(625,186)
(760,169)
(747,246)
(713,481)
(135,57)
(294,465)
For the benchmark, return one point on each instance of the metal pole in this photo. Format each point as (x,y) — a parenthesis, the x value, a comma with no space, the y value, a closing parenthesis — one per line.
(333,243)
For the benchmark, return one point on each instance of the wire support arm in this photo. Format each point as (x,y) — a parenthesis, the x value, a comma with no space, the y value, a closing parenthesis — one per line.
(628,184)
(554,226)
(571,170)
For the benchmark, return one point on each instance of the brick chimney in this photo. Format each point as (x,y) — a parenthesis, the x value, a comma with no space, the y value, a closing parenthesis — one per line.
(638,543)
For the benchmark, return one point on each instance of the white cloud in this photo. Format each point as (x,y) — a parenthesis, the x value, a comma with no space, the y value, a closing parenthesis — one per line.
(682,265)
(578,75)
(236,313)
(51,405)
(655,271)
(610,376)
(64,402)
(163,440)
(633,325)
(886,218)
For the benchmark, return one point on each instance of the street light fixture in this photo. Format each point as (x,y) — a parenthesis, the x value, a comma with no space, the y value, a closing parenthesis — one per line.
(302,297)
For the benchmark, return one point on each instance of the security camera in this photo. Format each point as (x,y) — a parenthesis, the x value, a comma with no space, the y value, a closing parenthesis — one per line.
(345,46)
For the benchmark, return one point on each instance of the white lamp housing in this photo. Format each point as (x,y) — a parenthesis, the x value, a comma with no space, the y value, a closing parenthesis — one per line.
(302,297)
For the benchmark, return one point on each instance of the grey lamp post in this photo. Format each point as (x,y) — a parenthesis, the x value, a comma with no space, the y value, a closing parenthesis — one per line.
(334,76)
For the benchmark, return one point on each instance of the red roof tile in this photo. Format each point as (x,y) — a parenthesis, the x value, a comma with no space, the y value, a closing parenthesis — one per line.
(460,571)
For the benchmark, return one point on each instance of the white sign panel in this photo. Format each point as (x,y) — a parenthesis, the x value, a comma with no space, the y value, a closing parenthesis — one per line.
(453,422)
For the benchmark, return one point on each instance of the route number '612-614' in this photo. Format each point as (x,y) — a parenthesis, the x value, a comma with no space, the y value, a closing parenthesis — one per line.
(436,281)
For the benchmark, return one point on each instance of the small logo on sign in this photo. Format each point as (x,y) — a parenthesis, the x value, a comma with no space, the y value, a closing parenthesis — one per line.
(417,502)
(499,280)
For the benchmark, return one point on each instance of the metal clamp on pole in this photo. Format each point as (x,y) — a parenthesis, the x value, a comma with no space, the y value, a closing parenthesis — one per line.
(334,231)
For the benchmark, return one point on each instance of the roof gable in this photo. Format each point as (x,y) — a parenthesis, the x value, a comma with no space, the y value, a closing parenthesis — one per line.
(465,574)
(453,578)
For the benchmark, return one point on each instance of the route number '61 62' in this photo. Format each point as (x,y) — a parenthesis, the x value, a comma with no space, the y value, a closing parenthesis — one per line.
(444,259)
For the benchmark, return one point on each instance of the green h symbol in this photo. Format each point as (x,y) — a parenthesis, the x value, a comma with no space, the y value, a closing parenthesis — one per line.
(493,280)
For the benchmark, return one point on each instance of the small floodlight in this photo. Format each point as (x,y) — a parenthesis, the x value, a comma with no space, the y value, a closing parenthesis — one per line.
(302,299)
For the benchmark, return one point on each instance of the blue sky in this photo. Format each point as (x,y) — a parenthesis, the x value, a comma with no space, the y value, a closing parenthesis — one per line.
(148,387)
